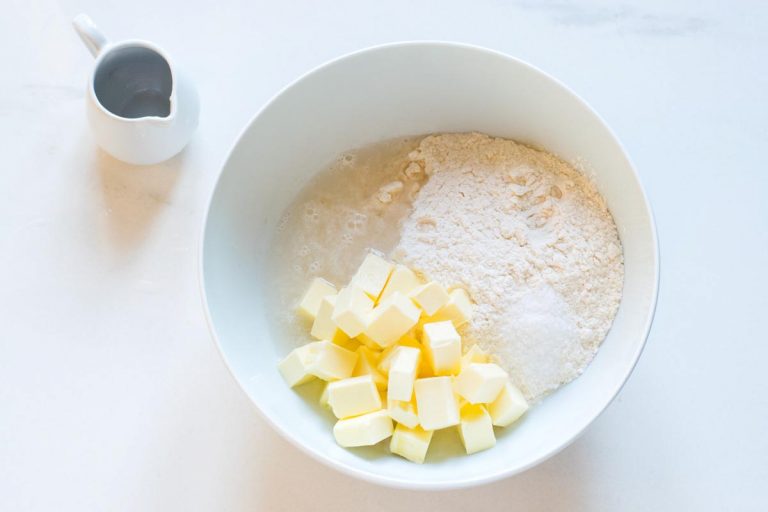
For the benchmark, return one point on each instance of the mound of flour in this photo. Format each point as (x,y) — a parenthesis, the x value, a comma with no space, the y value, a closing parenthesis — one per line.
(532,241)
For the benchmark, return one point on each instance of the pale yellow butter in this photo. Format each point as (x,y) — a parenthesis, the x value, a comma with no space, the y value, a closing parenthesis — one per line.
(392,319)
(436,403)
(403,280)
(389,340)
(368,342)
(405,413)
(367,361)
(350,313)
(324,328)
(476,429)
(323,400)
(295,368)
(481,383)
(385,358)
(442,346)
(474,355)
(402,373)
(372,275)
(508,406)
(411,443)
(365,430)
(348,343)
(458,309)
(329,361)
(318,289)
(430,297)
(353,396)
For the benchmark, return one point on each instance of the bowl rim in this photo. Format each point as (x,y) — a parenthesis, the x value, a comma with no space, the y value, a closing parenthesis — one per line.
(402,483)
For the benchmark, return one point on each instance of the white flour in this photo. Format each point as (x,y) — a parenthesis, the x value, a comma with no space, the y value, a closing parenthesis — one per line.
(532,241)
(352,206)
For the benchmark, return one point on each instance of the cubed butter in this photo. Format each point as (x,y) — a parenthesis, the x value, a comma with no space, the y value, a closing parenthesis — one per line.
(481,383)
(318,289)
(436,403)
(442,347)
(329,361)
(411,443)
(383,397)
(323,328)
(365,430)
(402,373)
(404,413)
(368,342)
(458,309)
(425,368)
(372,275)
(474,355)
(323,400)
(348,343)
(409,340)
(353,396)
(295,368)
(403,280)
(508,406)
(367,360)
(350,313)
(392,319)
(476,429)
(385,358)
(430,297)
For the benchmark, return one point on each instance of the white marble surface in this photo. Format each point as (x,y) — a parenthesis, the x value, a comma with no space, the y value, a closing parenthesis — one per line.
(112,395)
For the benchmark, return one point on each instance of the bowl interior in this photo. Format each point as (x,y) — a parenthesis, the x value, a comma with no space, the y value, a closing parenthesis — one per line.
(388,92)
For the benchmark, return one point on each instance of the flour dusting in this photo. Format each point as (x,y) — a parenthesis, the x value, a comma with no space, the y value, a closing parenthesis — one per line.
(532,241)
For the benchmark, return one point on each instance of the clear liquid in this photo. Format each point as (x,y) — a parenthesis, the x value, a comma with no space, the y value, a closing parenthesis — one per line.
(335,219)
(146,103)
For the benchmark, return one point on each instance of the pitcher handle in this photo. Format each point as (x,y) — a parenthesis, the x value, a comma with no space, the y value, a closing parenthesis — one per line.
(93,38)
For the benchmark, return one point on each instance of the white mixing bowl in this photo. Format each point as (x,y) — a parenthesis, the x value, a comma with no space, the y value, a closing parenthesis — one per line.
(393,91)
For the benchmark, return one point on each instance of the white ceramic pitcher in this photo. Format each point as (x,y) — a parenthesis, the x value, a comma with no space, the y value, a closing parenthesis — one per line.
(141,107)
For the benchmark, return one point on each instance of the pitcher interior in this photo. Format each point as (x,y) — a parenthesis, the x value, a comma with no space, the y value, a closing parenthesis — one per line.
(134,82)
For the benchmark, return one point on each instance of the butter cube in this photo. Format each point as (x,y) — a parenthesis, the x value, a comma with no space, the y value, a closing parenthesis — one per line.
(383,396)
(318,289)
(458,309)
(436,403)
(367,360)
(385,359)
(392,319)
(404,413)
(442,346)
(425,368)
(430,297)
(372,275)
(348,343)
(481,383)
(401,280)
(368,342)
(329,361)
(323,400)
(402,373)
(353,397)
(295,368)
(351,311)
(323,328)
(476,429)
(411,443)
(365,430)
(508,406)
(474,355)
